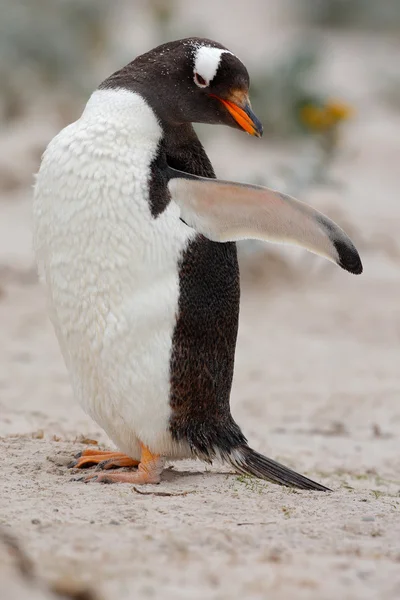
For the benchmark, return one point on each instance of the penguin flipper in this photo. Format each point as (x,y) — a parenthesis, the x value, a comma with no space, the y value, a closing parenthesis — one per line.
(224,211)
(247,461)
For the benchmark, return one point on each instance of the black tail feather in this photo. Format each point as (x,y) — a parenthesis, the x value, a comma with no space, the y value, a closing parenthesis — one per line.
(249,462)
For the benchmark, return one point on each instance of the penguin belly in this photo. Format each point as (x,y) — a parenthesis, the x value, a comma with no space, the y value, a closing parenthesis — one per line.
(111,269)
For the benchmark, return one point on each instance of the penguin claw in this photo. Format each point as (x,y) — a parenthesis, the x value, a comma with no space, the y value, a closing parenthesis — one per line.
(85,478)
(88,478)
(100,478)
(116,463)
(107,464)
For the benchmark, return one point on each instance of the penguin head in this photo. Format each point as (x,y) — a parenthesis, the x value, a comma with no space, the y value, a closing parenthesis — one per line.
(193,80)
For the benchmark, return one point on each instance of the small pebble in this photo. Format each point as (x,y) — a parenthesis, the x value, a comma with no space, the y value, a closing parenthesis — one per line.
(35,522)
(368,519)
(114,522)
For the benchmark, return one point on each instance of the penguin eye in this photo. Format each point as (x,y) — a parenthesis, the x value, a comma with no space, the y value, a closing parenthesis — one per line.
(200,81)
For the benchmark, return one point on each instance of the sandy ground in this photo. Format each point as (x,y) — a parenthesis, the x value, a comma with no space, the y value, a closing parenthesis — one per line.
(317,386)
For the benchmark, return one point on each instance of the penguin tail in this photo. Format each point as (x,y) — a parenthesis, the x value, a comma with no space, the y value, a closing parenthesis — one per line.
(247,461)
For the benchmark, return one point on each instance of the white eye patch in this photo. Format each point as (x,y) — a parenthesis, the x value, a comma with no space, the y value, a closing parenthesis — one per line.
(206,63)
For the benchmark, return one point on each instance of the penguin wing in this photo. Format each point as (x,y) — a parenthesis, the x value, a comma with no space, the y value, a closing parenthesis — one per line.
(224,211)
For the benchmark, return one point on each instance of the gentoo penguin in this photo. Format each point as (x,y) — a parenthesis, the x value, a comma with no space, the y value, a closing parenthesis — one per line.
(135,240)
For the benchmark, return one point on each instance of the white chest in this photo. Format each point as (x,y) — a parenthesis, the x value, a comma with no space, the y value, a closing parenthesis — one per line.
(111,269)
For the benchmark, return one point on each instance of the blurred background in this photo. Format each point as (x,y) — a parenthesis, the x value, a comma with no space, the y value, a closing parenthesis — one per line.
(317,382)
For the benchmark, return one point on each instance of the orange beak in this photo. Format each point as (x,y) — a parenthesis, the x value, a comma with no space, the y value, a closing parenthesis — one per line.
(243,115)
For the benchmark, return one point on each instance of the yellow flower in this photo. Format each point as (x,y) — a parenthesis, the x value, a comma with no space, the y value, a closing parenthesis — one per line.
(325,116)
(339,110)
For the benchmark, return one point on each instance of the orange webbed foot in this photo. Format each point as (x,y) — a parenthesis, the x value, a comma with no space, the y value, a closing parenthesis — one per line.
(149,471)
(104,459)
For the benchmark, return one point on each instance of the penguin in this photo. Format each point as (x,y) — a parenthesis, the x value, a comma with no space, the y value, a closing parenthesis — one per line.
(135,242)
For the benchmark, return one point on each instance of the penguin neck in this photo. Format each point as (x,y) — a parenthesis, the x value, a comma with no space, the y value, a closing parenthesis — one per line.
(184,150)
(178,136)
(126,115)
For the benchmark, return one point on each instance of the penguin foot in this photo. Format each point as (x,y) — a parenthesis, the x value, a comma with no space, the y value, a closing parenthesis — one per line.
(149,471)
(117,463)
(104,460)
